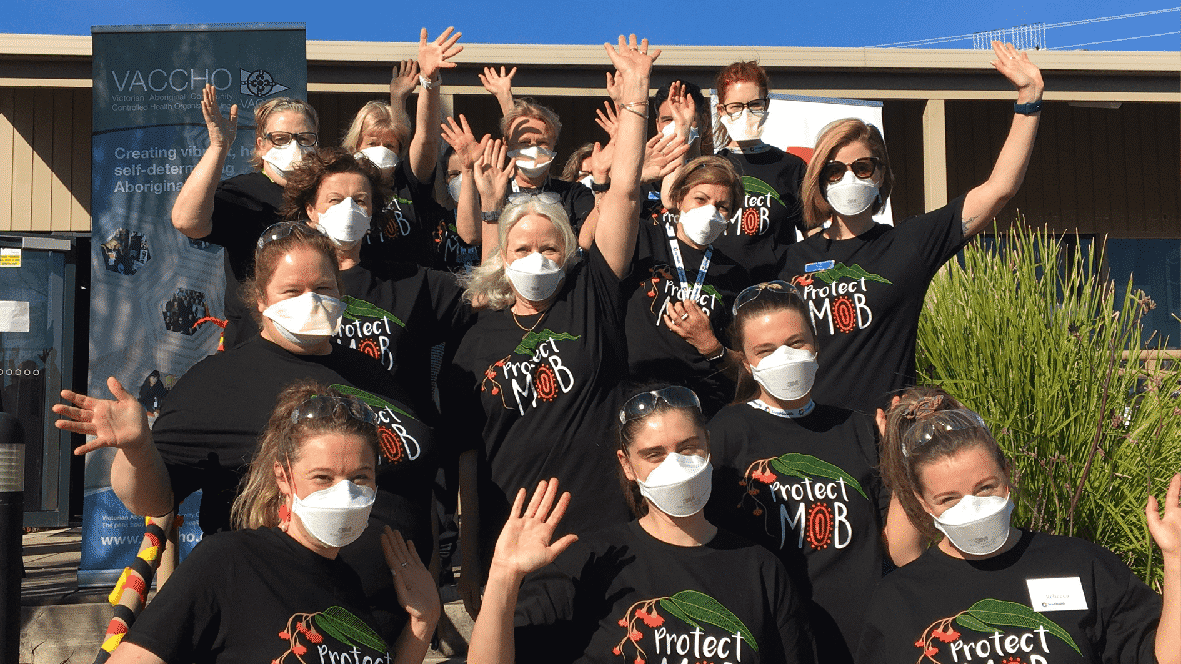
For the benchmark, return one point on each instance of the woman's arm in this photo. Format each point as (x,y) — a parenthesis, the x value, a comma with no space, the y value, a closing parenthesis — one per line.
(432,56)
(523,547)
(467,210)
(192,213)
(500,85)
(904,542)
(403,80)
(1167,533)
(619,209)
(417,593)
(138,475)
(493,172)
(983,203)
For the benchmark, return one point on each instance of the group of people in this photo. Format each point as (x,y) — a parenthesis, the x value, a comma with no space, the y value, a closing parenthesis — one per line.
(661,391)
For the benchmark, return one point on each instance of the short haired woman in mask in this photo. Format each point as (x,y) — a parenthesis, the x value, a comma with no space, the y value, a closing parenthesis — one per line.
(765,223)
(309,492)
(669,586)
(802,477)
(536,374)
(990,591)
(208,428)
(380,132)
(865,282)
(232,213)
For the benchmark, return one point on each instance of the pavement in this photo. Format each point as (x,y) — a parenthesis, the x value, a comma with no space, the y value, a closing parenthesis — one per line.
(62,624)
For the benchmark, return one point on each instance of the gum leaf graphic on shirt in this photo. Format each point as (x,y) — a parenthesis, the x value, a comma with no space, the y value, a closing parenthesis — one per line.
(355,308)
(853,272)
(692,608)
(757,186)
(375,402)
(710,290)
(532,340)
(348,629)
(805,465)
(998,613)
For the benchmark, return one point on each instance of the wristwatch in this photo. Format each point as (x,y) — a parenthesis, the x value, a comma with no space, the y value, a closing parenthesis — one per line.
(1028,109)
(494,215)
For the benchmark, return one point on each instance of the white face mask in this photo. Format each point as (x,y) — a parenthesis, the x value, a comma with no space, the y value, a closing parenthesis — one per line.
(381,156)
(529,166)
(453,187)
(671,128)
(284,159)
(787,374)
(308,319)
(851,195)
(702,224)
(680,485)
(746,126)
(337,515)
(589,181)
(535,277)
(978,525)
(344,223)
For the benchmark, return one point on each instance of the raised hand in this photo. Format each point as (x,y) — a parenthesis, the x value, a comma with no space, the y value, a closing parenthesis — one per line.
(683,107)
(416,588)
(460,138)
(1023,74)
(1166,530)
(121,423)
(436,55)
(525,543)
(500,85)
(633,65)
(403,79)
(599,162)
(662,155)
(608,119)
(221,130)
(493,171)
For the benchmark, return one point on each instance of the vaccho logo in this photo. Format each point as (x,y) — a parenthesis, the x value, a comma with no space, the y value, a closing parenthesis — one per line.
(260,83)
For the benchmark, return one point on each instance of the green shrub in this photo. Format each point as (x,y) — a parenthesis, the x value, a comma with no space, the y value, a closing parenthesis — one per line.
(1026,333)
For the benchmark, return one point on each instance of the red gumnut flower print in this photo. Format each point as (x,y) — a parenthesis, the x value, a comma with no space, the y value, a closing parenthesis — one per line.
(946,636)
(757,473)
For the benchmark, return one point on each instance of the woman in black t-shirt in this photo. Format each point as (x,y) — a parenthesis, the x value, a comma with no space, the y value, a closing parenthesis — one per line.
(309,492)
(989,591)
(668,586)
(865,282)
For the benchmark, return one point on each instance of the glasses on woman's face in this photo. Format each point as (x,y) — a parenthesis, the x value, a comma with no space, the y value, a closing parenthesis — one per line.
(529,196)
(320,406)
(307,139)
(863,168)
(756,106)
(753,292)
(282,229)
(644,403)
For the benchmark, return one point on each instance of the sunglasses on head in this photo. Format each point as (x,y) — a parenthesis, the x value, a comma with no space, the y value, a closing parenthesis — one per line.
(282,229)
(776,287)
(863,168)
(940,422)
(320,406)
(644,403)
(529,196)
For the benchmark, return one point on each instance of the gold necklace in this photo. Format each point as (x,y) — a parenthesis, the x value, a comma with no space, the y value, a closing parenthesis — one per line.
(532,327)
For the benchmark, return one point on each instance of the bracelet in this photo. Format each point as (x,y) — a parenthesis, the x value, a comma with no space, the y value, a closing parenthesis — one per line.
(718,355)
(1028,109)
(494,215)
(628,107)
(428,84)
(600,188)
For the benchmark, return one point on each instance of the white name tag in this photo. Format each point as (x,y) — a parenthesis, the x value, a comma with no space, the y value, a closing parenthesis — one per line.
(1060,594)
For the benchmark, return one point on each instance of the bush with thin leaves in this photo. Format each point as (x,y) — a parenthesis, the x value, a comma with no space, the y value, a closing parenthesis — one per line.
(1026,333)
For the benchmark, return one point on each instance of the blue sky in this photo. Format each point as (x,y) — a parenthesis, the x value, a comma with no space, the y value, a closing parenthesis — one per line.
(736,22)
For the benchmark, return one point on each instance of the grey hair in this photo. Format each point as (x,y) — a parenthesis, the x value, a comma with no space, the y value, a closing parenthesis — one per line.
(487,286)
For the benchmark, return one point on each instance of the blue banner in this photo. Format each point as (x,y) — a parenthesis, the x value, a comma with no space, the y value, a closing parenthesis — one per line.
(154,291)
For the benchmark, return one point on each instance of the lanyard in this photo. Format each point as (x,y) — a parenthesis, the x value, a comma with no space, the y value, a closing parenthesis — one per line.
(779,412)
(680,263)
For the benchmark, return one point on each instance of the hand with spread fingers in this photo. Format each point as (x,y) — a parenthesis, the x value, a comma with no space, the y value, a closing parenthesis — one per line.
(607,119)
(403,80)
(500,85)
(663,155)
(684,109)
(493,172)
(222,130)
(120,423)
(525,544)
(633,65)
(460,138)
(437,54)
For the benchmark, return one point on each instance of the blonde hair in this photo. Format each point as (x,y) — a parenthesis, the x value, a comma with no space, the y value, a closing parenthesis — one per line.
(574,163)
(487,286)
(377,115)
(263,113)
(258,500)
(833,137)
(525,108)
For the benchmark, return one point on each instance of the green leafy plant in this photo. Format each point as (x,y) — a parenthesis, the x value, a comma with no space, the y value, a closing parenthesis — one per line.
(1028,334)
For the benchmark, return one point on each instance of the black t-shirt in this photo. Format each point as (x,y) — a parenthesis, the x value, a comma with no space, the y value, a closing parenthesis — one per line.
(243,207)
(577,199)
(621,595)
(1002,609)
(656,353)
(254,596)
(766,223)
(452,254)
(865,295)
(808,489)
(543,402)
(406,234)
(396,315)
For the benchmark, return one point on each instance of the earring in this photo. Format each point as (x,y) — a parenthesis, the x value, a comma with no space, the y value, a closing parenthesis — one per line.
(284,513)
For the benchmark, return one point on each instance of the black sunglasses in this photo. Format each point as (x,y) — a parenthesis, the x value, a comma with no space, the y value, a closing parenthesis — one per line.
(863,168)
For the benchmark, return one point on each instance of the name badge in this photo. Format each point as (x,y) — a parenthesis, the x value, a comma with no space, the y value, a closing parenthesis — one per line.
(817,267)
(1058,594)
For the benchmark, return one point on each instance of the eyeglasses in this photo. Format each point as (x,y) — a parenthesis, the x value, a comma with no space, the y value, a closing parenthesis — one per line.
(752,292)
(863,168)
(320,406)
(644,403)
(307,139)
(282,229)
(529,196)
(756,106)
(941,421)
